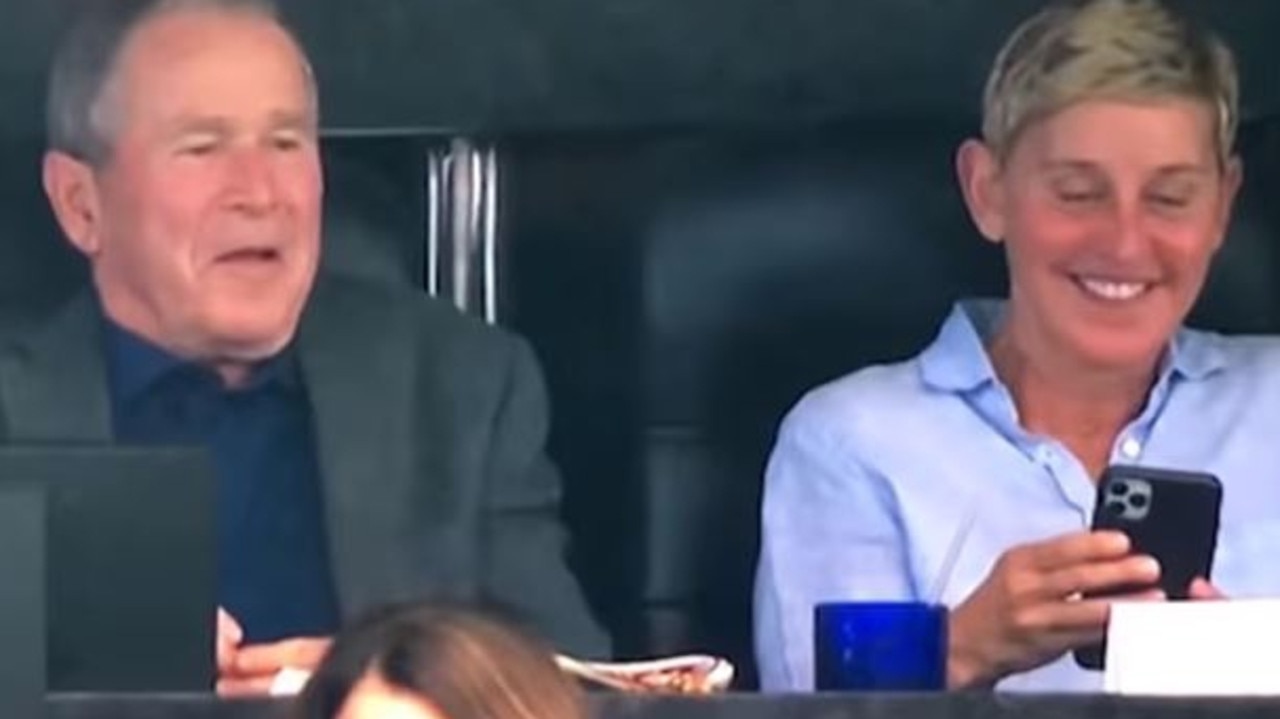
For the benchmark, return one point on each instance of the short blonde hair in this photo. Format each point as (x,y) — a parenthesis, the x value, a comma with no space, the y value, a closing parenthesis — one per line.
(1112,49)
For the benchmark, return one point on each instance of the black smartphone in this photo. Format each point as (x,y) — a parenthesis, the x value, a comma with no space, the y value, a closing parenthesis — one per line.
(1171,515)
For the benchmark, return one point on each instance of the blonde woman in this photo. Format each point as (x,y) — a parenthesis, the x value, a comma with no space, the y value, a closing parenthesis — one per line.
(1105,169)
(439,662)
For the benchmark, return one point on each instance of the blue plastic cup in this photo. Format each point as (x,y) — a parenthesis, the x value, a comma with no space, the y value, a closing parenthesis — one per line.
(880,646)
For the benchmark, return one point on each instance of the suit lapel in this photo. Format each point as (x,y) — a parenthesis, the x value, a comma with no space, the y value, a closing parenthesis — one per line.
(394,508)
(54,380)
(360,376)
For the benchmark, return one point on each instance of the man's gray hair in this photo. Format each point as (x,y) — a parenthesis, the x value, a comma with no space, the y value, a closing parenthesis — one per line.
(78,119)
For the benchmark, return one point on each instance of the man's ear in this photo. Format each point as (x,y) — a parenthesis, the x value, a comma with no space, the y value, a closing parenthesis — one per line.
(72,189)
(978,170)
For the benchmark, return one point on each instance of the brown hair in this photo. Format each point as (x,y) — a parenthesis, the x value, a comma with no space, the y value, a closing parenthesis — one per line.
(468,664)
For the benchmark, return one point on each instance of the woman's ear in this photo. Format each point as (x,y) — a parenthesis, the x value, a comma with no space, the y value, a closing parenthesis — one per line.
(978,170)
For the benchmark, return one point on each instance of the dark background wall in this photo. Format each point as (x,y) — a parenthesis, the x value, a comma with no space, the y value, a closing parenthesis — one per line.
(508,64)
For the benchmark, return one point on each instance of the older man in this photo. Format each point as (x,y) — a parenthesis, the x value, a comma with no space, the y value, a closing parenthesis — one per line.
(370,445)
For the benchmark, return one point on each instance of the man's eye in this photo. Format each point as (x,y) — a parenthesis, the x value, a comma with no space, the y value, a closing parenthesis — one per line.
(199,149)
(1173,202)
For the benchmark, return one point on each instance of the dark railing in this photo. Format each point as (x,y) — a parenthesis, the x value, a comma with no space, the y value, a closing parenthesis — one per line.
(739,706)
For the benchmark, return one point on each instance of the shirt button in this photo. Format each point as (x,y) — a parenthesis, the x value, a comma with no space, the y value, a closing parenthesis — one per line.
(1131,448)
(1045,454)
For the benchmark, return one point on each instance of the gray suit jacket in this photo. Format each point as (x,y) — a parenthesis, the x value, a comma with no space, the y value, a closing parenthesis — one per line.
(429,428)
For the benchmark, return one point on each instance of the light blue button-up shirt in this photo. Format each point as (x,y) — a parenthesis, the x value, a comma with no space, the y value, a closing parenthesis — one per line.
(876,474)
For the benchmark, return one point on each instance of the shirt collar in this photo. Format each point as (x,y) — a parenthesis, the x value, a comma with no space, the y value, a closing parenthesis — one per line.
(957,360)
(1196,355)
(135,365)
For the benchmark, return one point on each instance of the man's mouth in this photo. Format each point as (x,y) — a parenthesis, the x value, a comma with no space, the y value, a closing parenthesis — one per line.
(250,255)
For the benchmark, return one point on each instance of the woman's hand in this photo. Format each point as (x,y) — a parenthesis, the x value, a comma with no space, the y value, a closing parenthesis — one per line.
(1029,610)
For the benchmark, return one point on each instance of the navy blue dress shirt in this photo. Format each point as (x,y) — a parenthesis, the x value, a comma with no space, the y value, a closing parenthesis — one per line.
(273,559)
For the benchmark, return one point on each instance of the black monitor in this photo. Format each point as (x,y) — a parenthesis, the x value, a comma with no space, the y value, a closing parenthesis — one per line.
(129,564)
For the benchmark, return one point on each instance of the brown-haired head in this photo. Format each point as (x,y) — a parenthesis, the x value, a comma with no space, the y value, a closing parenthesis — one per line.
(462,663)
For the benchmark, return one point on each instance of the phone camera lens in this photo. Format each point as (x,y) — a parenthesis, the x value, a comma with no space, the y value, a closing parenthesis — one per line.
(1120,489)
(1138,501)
(1115,508)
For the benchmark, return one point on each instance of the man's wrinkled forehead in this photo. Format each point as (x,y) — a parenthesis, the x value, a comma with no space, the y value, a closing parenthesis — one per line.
(164,42)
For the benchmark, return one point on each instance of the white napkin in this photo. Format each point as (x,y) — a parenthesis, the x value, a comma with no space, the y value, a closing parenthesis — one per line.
(289,682)
(1194,648)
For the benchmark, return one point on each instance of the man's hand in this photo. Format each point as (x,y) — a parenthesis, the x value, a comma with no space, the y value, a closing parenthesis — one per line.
(1028,611)
(228,640)
(254,668)
(248,671)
